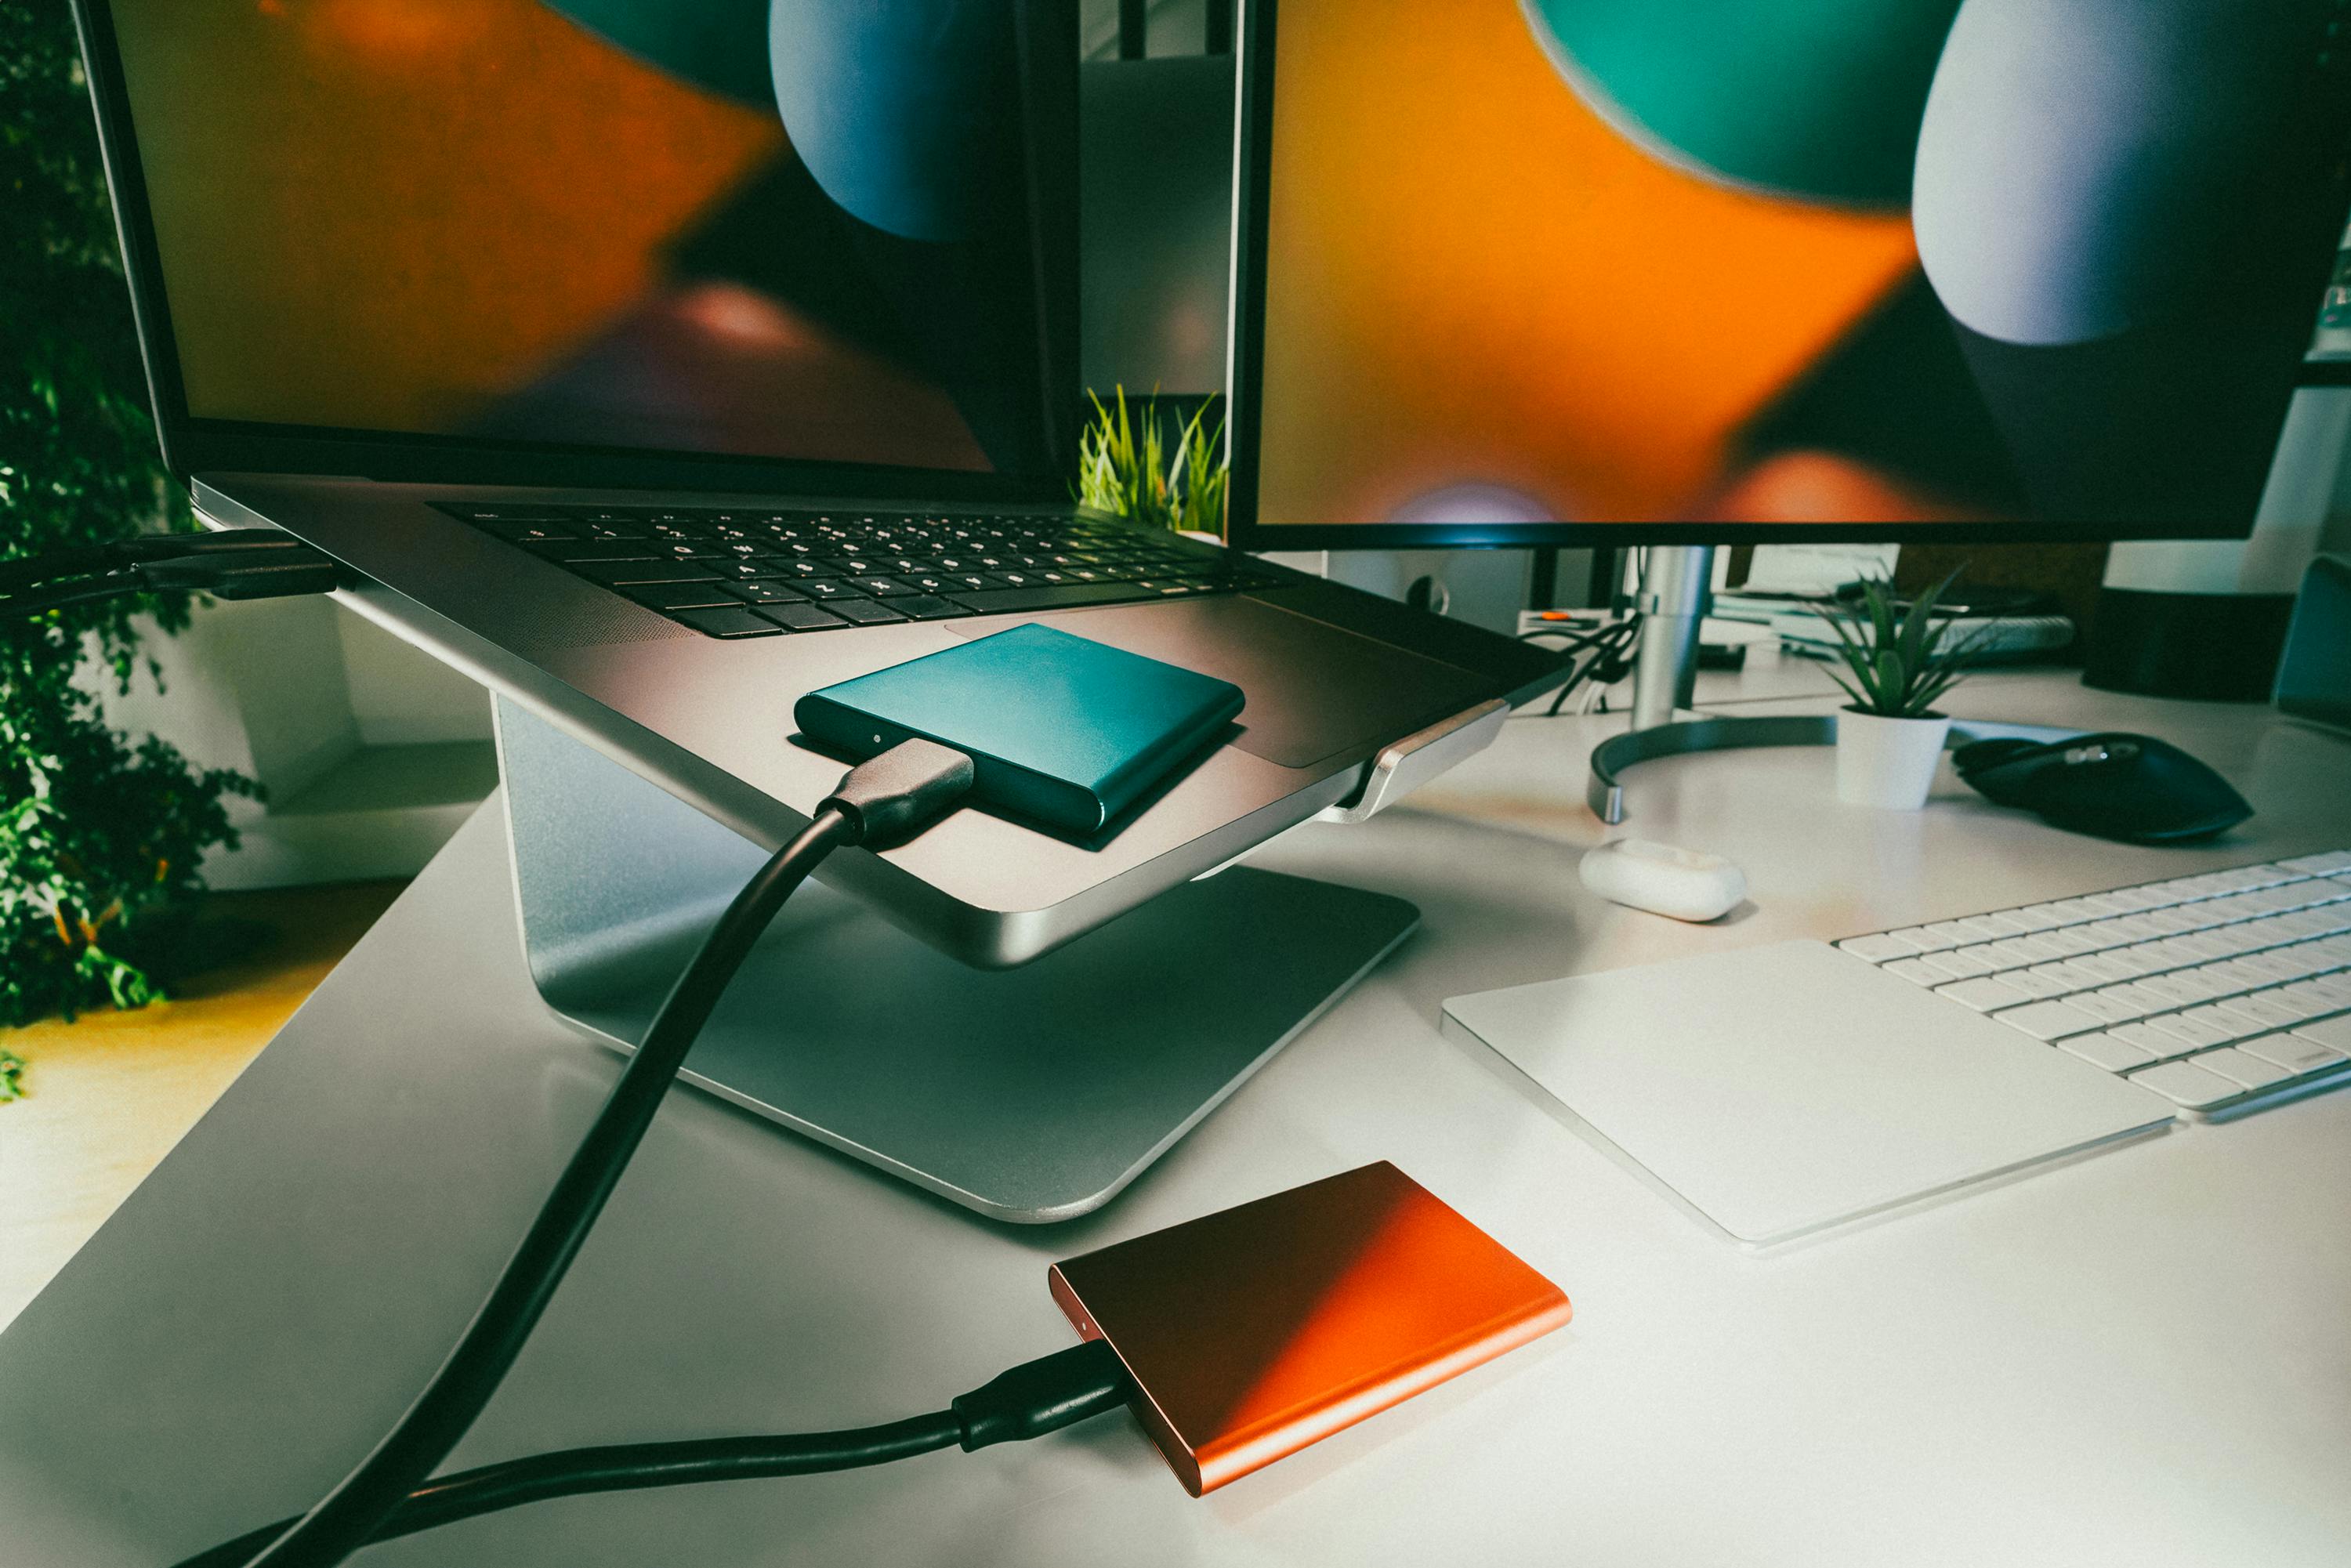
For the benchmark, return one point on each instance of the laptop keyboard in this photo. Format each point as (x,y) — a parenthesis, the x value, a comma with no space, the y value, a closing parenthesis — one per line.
(761,572)
(2218,991)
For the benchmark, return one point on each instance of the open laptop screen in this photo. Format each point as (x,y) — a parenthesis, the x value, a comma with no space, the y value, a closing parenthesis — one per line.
(802,230)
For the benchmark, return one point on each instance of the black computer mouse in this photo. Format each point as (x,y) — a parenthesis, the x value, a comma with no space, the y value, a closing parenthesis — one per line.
(2134,788)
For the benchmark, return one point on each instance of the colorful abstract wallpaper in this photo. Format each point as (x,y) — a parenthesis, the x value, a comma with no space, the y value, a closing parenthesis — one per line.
(770,227)
(2039,261)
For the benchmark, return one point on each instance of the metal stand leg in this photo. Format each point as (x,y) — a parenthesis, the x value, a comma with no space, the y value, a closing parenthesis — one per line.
(1675,587)
(1031,1094)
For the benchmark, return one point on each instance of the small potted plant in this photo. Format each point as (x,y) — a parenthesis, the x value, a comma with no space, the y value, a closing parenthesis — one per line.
(1889,738)
(1124,468)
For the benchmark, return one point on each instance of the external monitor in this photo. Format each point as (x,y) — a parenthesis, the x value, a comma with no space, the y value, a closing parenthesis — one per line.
(1552,272)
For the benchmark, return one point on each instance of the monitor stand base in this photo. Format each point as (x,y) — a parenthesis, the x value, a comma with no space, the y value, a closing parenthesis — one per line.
(1604,791)
(1676,590)
(1031,1094)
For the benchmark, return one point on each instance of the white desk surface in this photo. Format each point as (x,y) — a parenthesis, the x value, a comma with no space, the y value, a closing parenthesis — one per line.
(2143,1358)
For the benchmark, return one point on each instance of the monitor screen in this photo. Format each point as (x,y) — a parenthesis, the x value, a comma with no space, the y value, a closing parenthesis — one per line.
(2039,268)
(799,231)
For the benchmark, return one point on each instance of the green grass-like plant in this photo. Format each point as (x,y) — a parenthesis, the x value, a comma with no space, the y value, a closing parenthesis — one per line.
(1124,468)
(1900,663)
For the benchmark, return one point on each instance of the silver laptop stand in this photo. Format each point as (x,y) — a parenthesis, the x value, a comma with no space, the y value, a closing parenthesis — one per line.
(1031,1094)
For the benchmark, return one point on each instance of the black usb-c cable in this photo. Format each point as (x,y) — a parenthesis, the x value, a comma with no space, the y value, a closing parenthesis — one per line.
(234,563)
(879,800)
(393,1492)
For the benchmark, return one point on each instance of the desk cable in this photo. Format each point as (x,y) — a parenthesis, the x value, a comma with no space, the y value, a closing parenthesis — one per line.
(392,1492)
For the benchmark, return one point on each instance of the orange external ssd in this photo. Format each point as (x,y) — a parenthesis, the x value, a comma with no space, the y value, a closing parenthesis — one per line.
(1259,1330)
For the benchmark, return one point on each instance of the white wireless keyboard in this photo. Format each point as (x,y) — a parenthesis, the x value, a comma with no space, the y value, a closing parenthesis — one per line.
(2224,992)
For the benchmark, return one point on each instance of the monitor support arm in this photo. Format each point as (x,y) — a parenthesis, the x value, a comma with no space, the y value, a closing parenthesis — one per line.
(1675,588)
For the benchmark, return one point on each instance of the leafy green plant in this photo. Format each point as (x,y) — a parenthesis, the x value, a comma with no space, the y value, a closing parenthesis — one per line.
(99,835)
(1125,469)
(1900,662)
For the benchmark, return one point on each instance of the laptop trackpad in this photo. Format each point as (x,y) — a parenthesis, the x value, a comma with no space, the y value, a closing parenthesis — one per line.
(1314,691)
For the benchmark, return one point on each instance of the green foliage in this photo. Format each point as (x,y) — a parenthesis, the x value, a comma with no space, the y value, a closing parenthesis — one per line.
(1128,472)
(12,1077)
(99,836)
(1899,663)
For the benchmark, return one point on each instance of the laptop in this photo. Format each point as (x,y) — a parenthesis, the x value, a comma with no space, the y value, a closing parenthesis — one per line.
(655,364)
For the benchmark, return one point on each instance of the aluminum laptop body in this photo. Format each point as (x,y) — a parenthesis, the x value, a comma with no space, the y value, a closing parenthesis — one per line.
(380,283)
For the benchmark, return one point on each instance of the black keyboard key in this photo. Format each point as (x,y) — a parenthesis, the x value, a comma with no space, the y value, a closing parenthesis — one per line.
(862,612)
(761,593)
(495,512)
(735,623)
(825,589)
(1004,601)
(800,617)
(682,596)
(531,533)
(572,551)
(927,607)
(628,573)
(881,586)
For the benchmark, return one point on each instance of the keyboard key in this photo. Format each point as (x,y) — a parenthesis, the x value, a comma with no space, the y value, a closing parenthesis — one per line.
(2334,1033)
(2180,989)
(2261,1012)
(2033,985)
(2067,978)
(631,573)
(2214,1019)
(2328,993)
(1986,994)
(2239,1067)
(1916,971)
(1009,600)
(2134,1002)
(682,596)
(1960,963)
(761,593)
(2051,1020)
(2015,952)
(2184,1083)
(2108,1051)
(2106,969)
(801,617)
(728,624)
(862,612)
(2194,1032)
(2069,941)
(2300,1004)
(1921,939)
(2319,866)
(2108,1006)
(2231,976)
(1876,949)
(883,587)
(927,607)
(2157,1045)
(2295,1054)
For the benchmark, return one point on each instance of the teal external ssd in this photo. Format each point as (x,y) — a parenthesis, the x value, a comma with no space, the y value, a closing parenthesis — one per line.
(1064,731)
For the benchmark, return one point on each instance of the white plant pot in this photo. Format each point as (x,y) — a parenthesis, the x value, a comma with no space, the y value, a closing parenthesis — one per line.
(1888,763)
